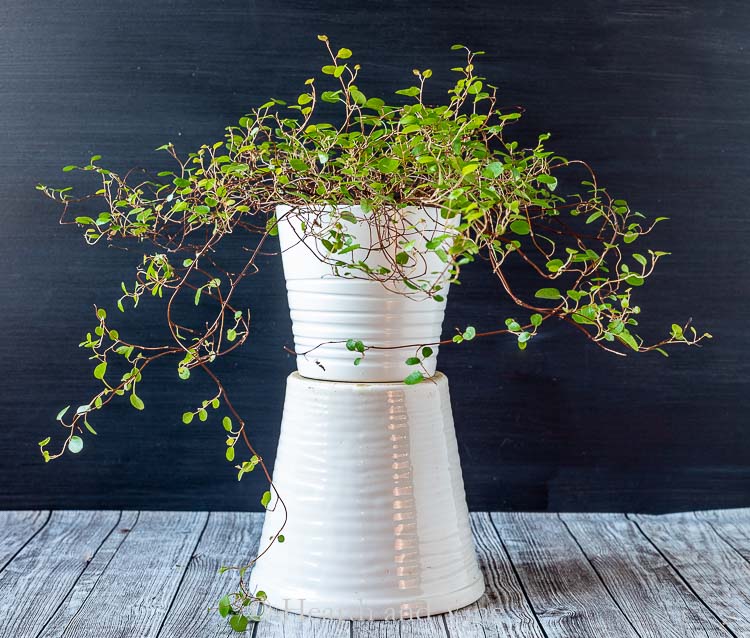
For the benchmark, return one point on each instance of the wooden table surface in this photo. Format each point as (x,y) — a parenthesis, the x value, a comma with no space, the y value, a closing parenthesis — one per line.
(104,574)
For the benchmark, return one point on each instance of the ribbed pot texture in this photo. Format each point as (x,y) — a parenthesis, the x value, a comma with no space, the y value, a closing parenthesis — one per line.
(329,307)
(377,524)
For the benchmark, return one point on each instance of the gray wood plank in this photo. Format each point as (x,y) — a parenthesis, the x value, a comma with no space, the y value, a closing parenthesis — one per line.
(72,604)
(230,538)
(429,627)
(732,525)
(651,594)
(42,574)
(132,596)
(17,529)
(503,611)
(564,590)
(714,570)
(277,624)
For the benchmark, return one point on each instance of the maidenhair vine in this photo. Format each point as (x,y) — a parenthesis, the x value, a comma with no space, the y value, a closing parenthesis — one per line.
(383,156)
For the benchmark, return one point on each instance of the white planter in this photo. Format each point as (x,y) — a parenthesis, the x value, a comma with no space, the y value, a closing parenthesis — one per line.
(329,306)
(378,526)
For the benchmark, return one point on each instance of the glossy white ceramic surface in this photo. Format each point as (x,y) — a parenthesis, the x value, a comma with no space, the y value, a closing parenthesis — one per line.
(329,306)
(378,525)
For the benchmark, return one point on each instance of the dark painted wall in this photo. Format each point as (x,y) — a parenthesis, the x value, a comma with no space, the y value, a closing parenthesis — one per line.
(654,94)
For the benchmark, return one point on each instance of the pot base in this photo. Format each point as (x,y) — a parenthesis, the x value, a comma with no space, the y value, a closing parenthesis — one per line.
(377,524)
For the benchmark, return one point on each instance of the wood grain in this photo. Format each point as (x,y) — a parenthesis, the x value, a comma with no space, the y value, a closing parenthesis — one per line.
(42,574)
(433,626)
(564,590)
(650,593)
(72,604)
(154,574)
(503,611)
(17,529)
(714,570)
(134,593)
(732,525)
(230,538)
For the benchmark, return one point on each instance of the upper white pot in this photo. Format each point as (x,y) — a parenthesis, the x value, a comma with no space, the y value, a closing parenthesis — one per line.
(331,303)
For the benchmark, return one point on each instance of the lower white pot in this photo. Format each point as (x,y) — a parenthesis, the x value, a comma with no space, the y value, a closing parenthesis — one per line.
(377,524)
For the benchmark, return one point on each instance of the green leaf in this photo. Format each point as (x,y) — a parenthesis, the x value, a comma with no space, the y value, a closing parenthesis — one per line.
(202,414)
(281,538)
(426,352)
(75,445)
(198,296)
(100,370)
(225,607)
(524,336)
(413,361)
(469,333)
(101,313)
(586,315)
(187,262)
(89,427)
(594,216)
(136,402)
(640,259)
(226,422)
(628,339)
(635,280)
(299,165)
(414,378)
(231,334)
(230,454)
(554,265)
(388,164)
(536,319)
(550,181)
(469,168)
(547,293)
(412,91)
(238,622)
(493,169)
(61,413)
(520,227)
(344,54)
(44,442)
(265,499)
(187,417)
(677,332)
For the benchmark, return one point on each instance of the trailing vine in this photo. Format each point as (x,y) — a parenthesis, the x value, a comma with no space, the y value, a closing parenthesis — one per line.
(380,157)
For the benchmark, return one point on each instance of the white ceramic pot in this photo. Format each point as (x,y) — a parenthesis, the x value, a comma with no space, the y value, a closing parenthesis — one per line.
(378,526)
(330,305)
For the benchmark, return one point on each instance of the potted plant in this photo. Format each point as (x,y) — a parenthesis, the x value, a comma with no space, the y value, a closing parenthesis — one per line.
(377,210)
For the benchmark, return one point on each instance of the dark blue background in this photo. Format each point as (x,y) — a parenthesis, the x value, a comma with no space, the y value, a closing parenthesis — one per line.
(655,95)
